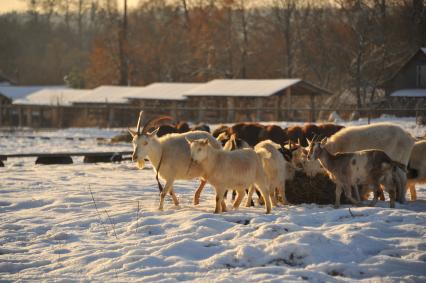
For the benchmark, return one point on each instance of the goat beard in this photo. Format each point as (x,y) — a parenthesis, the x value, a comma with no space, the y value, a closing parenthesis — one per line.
(140,163)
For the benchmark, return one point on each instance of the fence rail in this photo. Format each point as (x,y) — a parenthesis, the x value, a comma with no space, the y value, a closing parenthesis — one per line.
(125,115)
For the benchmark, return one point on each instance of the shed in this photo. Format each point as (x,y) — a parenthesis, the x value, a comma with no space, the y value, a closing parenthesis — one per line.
(230,100)
(106,106)
(410,75)
(163,98)
(8,93)
(47,107)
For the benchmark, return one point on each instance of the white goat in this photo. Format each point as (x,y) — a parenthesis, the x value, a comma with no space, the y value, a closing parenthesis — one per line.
(390,138)
(238,169)
(417,168)
(275,168)
(365,167)
(170,155)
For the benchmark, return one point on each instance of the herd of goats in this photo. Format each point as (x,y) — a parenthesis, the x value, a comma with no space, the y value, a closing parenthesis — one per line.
(250,157)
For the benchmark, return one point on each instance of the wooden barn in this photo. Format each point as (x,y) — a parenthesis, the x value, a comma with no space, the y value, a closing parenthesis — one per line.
(406,88)
(105,106)
(163,99)
(230,100)
(9,115)
(47,108)
(411,75)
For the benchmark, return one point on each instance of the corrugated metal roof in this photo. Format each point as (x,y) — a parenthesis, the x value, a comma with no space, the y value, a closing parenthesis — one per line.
(63,97)
(108,94)
(409,93)
(19,92)
(242,87)
(164,91)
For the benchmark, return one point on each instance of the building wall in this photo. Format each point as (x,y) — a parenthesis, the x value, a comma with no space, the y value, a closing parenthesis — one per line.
(407,76)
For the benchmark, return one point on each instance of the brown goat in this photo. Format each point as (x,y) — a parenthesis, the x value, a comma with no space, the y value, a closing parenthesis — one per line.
(182,127)
(295,135)
(274,133)
(327,130)
(219,130)
(201,127)
(250,132)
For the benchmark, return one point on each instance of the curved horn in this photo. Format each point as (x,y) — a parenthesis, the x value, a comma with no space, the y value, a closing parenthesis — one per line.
(153,122)
(139,122)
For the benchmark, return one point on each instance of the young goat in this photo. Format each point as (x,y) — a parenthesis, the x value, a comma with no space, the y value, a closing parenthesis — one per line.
(417,168)
(238,169)
(390,138)
(229,144)
(169,155)
(275,168)
(366,167)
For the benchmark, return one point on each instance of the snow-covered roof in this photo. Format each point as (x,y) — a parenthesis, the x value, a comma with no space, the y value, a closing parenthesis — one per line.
(409,93)
(63,97)
(18,92)
(164,91)
(242,87)
(108,94)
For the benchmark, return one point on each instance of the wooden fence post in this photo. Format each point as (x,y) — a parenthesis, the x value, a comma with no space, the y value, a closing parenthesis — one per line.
(312,112)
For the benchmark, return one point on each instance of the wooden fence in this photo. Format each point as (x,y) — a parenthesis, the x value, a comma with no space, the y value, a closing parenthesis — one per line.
(126,115)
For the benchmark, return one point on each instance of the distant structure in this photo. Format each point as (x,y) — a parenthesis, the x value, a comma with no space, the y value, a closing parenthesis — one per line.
(229,100)
(406,88)
(9,115)
(164,99)
(217,101)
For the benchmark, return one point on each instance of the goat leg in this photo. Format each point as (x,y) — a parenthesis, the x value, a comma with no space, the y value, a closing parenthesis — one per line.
(249,196)
(198,192)
(223,204)
(218,204)
(413,194)
(260,198)
(240,196)
(376,192)
(392,196)
(338,195)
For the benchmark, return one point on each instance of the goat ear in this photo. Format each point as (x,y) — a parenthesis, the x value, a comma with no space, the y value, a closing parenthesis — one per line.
(205,141)
(132,133)
(153,133)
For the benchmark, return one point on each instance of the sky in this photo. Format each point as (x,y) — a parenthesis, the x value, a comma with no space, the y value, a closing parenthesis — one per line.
(20,5)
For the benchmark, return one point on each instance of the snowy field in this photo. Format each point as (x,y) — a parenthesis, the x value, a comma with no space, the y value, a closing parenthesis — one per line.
(50,229)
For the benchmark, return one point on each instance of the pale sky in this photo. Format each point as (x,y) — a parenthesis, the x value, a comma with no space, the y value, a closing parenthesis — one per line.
(21,5)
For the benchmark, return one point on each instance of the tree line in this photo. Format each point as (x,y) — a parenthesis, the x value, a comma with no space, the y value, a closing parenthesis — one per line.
(337,44)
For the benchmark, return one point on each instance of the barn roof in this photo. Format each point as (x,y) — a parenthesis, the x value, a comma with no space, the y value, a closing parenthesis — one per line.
(19,92)
(409,93)
(108,94)
(63,97)
(250,87)
(164,91)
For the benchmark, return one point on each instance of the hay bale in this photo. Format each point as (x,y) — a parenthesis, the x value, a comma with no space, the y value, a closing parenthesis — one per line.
(56,159)
(319,189)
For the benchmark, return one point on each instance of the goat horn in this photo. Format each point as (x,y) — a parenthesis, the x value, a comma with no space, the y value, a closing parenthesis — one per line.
(138,127)
(153,122)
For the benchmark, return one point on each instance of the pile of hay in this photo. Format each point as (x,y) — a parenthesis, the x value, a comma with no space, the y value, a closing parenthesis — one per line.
(319,189)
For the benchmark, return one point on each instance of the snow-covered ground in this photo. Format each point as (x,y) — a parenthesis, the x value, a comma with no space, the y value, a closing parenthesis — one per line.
(51,230)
